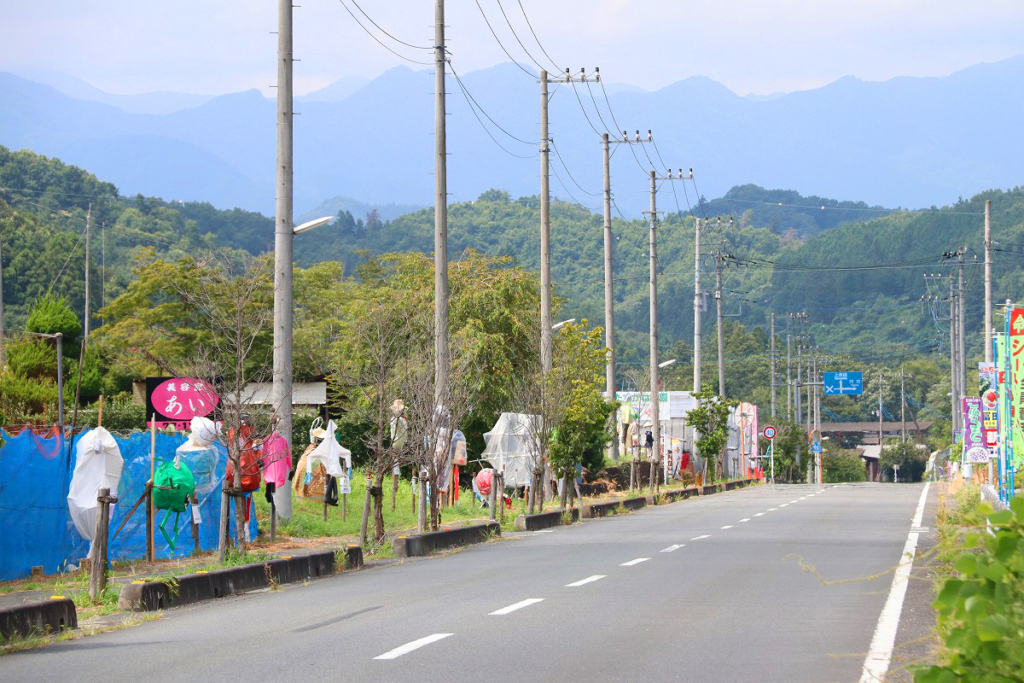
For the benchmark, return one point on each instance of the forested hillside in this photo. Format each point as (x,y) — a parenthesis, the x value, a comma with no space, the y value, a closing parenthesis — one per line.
(854,290)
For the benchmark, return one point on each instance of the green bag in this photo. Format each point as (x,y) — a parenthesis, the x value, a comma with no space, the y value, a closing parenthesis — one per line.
(180,482)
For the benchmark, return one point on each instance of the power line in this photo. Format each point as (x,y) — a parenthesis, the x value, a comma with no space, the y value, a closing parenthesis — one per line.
(381,29)
(523,10)
(483,111)
(566,167)
(379,41)
(516,36)
(500,44)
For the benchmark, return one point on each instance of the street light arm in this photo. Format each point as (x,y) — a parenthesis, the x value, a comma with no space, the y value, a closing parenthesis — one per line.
(309,225)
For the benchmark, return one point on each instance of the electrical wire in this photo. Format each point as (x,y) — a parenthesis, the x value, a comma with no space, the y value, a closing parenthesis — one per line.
(541,46)
(381,29)
(483,111)
(559,179)
(487,130)
(379,41)
(582,108)
(566,167)
(500,44)
(516,36)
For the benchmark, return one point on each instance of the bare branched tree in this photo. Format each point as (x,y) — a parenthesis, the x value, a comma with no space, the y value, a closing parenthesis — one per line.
(232,300)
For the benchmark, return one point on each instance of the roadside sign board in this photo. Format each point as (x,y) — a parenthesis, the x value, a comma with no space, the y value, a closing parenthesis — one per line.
(769,432)
(844,383)
(816,447)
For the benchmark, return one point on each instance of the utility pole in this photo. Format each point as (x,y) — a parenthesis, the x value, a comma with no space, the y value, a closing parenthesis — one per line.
(988,281)
(962,321)
(810,398)
(655,383)
(283,237)
(442,360)
(545,230)
(721,336)
(789,375)
(88,287)
(880,409)
(799,383)
(954,374)
(903,402)
(609,295)
(773,365)
(698,304)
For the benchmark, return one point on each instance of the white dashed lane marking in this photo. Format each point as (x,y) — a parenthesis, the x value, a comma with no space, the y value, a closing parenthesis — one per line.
(634,562)
(582,582)
(745,519)
(697,538)
(673,547)
(512,608)
(414,645)
(759,514)
(727,526)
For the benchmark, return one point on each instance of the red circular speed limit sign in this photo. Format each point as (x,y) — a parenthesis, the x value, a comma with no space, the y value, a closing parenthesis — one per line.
(769,432)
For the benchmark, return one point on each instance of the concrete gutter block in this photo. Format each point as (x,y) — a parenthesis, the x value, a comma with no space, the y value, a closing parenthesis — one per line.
(424,544)
(596,510)
(634,503)
(37,618)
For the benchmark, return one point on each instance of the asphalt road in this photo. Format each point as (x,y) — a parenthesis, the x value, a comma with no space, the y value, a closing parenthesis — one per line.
(764,584)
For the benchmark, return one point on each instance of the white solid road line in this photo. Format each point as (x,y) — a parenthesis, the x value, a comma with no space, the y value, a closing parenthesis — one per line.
(589,579)
(414,645)
(876,664)
(697,538)
(544,531)
(772,509)
(673,547)
(633,562)
(759,514)
(745,519)
(727,526)
(512,608)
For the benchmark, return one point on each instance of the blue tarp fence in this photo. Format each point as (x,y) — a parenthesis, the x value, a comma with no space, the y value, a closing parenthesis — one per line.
(35,524)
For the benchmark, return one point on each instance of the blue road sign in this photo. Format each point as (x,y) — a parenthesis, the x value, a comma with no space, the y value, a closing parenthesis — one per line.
(816,447)
(838,383)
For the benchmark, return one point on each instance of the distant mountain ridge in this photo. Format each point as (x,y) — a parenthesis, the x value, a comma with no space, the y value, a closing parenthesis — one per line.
(908,142)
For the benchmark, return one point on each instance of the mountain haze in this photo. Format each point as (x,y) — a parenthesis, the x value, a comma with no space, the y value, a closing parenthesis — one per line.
(905,142)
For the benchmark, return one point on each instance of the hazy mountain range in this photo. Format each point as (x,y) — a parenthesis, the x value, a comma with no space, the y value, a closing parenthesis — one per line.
(905,142)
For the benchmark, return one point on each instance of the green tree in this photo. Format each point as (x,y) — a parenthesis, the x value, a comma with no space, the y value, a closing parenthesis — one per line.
(910,458)
(710,419)
(842,467)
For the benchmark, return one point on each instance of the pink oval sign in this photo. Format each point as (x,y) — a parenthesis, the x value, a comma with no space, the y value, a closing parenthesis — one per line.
(182,398)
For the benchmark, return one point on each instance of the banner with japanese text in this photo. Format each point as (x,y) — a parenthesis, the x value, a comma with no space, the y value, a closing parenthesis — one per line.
(1015,381)
(975,450)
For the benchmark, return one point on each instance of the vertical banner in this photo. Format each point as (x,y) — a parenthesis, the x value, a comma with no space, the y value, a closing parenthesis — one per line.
(975,450)
(1015,382)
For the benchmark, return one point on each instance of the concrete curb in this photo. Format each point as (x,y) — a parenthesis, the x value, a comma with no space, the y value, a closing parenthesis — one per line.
(545,520)
(424,544)
(595,510)
(192,588)
(634,503)
(37,618)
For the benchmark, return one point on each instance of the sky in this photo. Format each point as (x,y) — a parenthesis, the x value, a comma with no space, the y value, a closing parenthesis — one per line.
(751,46)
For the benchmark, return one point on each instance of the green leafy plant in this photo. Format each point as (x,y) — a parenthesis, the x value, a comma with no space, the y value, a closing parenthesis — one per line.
(981,608)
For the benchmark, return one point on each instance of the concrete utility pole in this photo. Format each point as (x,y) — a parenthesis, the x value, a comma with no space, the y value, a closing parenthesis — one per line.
(903,402)
(698,302)
(988,281)
(880,413)
(962,321)
(609,293)
(954,374)
(442,359)
(799,383)
(88,284)
(721,336)
(283,236)
(810,398)
(545,231)
(789,375)
(655,382)
(773,365)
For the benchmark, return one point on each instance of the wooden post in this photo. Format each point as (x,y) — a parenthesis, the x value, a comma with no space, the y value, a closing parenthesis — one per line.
(99,416)
(366,513)
(195,527)
(149,520)
(98,573)
(150,531)
(493,495)
(421,519)
(501,498)
(325,499)
(394,490)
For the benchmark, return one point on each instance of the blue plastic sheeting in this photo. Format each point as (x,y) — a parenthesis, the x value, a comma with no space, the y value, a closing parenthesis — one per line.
(36,527)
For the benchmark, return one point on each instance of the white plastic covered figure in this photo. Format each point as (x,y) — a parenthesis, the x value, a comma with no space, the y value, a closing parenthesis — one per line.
(511,447)
(330,453)
(98,465)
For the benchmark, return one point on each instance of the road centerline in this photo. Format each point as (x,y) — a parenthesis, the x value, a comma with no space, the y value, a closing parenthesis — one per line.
(589,579)
(414,645)
(697,538)
(673,547)
(516,606)
(727,526)
(632,563)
